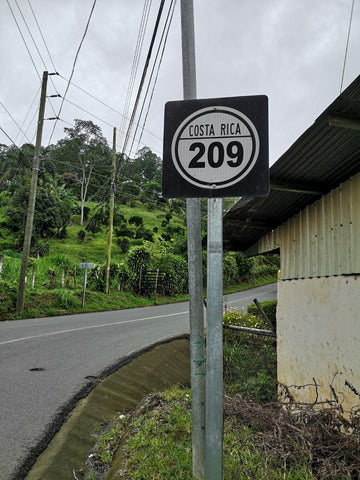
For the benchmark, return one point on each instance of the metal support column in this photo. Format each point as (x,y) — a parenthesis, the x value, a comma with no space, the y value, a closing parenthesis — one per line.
(214,344)
(197,348)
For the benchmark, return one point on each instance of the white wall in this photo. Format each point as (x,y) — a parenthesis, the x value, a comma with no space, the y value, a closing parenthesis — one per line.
(318,328)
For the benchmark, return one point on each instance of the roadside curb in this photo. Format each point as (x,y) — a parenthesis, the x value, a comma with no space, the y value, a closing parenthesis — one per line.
(117,389)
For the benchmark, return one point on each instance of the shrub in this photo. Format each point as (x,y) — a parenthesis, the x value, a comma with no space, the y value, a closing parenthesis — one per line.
(123,243)
(138,262)
(124,231)
(174,273)
(268,307)
(8,295)
(245,266)
(136,220)
(250,366)
(230,268)
(145,234)
(66,298)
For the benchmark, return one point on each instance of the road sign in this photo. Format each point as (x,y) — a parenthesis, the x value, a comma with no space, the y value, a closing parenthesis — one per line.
(86,265)
(216,147)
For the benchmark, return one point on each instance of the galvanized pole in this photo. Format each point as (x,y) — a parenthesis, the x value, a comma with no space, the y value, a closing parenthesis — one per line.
(32,197)
(193,208)
(214,343)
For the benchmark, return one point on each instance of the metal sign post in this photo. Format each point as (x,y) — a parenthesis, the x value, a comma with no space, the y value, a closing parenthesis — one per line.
(85,266)
(196,308)
(214,344)
(215,148)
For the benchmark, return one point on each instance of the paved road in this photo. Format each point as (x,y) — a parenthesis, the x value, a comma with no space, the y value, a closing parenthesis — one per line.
(45,363)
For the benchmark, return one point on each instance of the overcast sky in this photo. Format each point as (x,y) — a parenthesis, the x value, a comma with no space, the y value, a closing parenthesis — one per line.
(290,50)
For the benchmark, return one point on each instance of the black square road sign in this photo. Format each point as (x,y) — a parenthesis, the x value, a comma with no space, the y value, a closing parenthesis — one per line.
(216,148)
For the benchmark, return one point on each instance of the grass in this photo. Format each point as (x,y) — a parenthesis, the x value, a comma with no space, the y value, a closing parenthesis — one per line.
(261,440)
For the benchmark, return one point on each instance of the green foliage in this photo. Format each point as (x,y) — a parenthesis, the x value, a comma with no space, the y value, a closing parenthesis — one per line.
(163,432)
(5,198)
(268,307)
(130,188)
(145,234)
(138,262)
(53,209)
(174,273)
(8,295)
(230,268)
(250,366)
(81,235)
(136,220)
(245,265)
(124,244)
(124,231)
(138,259)
(66,298)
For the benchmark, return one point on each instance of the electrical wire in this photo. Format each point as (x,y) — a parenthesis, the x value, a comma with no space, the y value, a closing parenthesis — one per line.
(22,36)
(27,114)
(139,43)
(143,75)
(11,140)
(37,49)
(347,46)
(13,119)
(161,46)
(105,105)
(98,118)
(73,68)
(42,36)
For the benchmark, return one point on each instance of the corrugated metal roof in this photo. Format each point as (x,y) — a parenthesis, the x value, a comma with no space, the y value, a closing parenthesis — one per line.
(321,158)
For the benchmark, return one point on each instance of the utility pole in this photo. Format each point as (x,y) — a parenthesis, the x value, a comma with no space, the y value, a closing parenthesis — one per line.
(111,216)
(32,197)
(193,208)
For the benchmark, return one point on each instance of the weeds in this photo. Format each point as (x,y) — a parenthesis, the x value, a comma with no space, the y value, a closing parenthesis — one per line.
(262,438)
(66,298)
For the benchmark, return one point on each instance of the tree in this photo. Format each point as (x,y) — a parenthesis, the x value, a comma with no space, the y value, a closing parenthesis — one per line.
(85,152)
(53,208)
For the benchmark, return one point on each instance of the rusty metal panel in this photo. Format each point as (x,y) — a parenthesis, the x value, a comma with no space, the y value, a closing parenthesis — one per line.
(323,239)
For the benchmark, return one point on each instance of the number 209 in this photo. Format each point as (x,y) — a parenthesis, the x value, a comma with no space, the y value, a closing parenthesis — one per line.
(216,154)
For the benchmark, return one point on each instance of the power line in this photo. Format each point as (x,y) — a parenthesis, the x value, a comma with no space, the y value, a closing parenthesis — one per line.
(73,67)
(162,43)
(347,45)
(27,48)
(143,74)
(98,118)
(27,114)
(139,43)
(36,47)
(11,140)
(42,36)
(13,119)
(105,105)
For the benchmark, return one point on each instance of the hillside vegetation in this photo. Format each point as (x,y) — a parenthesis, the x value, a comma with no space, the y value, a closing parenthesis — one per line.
(71,223)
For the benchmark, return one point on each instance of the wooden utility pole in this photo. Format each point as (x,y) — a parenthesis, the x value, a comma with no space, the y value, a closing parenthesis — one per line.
(32,197)
(111,216)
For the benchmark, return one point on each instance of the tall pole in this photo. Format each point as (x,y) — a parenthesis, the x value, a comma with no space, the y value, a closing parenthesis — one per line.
(32,196)
(111,217)
(214,343)
(193,207)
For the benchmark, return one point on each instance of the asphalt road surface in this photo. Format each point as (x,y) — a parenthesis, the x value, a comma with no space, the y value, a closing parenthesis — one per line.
(47,363)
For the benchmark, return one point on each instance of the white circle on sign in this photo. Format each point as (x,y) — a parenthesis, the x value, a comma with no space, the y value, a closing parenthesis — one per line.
(215,147)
